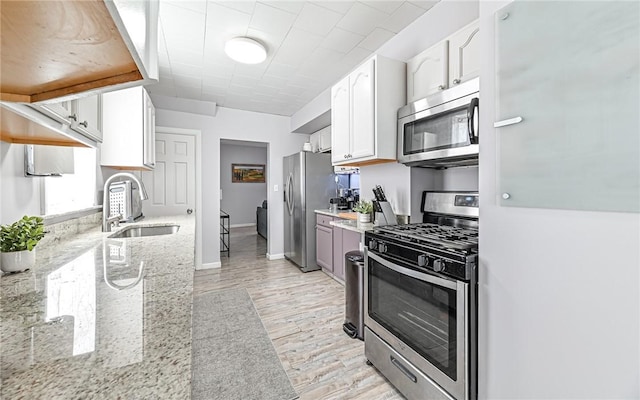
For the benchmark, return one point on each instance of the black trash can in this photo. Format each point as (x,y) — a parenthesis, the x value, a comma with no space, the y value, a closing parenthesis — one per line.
(354,294)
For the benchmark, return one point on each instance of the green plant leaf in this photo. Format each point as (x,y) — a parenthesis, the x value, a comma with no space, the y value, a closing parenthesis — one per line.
(23,234)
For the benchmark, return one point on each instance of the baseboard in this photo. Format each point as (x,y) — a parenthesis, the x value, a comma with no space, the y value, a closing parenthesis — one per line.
(241,225)
(271,257)
(212,265)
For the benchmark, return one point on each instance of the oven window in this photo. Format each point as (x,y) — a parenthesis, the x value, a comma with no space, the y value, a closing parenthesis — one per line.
(441,131)
(421,314)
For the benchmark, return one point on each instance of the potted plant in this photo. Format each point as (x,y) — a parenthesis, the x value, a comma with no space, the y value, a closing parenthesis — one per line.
(364,209)
(17,243)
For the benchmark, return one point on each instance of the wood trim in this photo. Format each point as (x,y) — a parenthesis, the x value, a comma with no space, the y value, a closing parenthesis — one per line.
(17,98)
(42,141)
(366,162)
(86,86)
(127,168)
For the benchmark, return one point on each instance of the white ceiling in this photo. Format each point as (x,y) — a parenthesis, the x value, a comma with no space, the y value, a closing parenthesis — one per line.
(310,46)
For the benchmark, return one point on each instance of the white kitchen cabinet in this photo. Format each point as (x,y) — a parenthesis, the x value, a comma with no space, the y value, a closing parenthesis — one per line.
(324,242)
(464,54)
(448,63)
(128,130)
(428,72)
(364,109)
(362,116)
(70,118)
(340,129)
(86,114)
(149,132)
(321,140)
(60,111)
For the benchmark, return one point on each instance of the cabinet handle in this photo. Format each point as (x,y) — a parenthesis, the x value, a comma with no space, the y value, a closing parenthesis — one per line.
(73,117)
(85,124)
(441,87)
(507,122)
(456,81)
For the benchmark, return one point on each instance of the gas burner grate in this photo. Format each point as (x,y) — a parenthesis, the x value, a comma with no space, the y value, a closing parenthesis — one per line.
(440,235)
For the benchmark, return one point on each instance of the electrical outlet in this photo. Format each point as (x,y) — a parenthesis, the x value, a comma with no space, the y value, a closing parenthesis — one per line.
(275,188)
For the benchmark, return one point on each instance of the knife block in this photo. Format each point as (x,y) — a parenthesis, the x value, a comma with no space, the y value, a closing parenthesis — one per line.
(384,214)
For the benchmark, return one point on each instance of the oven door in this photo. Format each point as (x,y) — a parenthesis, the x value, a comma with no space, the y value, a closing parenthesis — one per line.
(423,317)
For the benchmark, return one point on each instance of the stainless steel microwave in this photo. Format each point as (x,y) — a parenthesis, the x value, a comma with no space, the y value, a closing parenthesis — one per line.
(441,130)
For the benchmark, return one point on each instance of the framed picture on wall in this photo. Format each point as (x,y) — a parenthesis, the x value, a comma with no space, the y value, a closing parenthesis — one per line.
(247,173)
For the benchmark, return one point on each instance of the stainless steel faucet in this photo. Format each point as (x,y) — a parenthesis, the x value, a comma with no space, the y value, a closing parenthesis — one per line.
(107,219)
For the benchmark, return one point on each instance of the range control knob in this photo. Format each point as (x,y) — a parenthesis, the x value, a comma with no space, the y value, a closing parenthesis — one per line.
(423,260)
(373,244)
(438,265)
(382,248)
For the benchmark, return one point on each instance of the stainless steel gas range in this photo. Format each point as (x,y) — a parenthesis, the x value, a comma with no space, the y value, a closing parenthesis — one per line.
(421,299)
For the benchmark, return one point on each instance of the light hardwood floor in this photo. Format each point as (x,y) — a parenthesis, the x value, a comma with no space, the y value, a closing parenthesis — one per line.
(303,314)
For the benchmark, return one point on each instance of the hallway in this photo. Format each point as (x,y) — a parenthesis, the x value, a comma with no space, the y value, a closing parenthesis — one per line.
(303,314)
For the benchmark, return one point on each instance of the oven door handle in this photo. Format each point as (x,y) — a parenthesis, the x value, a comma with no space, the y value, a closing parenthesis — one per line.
(403,369)
(423,276)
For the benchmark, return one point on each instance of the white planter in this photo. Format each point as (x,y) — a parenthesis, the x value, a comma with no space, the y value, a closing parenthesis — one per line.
(364,217)
(17,260)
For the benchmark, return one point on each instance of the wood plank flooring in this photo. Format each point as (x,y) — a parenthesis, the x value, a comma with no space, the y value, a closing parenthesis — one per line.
(303,314)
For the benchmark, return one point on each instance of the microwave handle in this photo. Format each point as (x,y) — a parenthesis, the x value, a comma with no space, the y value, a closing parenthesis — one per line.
(474,108)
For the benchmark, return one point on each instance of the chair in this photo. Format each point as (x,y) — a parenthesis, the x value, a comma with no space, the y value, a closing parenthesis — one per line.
(261,219)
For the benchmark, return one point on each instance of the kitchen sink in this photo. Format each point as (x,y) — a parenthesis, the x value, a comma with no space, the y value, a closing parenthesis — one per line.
(139,231)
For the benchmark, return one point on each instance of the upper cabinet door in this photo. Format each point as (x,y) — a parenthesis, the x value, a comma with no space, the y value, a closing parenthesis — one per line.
(428,72)
(87,113)
(340,121)
(61,111)
(464,54)
(149,136)
(362,87)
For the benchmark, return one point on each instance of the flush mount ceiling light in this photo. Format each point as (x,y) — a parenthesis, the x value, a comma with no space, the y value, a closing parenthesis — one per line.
(245,50)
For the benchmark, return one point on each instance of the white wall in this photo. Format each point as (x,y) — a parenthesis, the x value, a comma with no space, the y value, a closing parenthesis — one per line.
(559,290)
(241,199)
(458,179)
(395,180)
(443,19)
(238,125)
(20,195)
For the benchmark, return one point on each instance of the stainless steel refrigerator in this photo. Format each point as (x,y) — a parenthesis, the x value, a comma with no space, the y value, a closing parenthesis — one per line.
(308,185)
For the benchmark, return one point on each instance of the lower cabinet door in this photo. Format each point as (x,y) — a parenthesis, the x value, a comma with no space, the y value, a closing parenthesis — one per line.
(338,255)
(324,247)
(350,241)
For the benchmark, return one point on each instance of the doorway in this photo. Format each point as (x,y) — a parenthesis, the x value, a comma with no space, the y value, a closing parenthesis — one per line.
(243,196)
(173,185)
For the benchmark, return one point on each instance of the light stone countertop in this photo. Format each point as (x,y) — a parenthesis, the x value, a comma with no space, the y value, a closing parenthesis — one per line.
(352,225)
(330,213)
(100,317)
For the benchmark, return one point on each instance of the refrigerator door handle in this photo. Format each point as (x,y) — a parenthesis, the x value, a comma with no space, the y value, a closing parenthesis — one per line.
(290,194)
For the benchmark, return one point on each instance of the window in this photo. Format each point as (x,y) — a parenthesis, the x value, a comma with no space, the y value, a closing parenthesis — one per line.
(75,191)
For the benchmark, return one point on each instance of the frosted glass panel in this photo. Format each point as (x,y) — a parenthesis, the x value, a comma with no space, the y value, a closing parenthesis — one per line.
(570,70)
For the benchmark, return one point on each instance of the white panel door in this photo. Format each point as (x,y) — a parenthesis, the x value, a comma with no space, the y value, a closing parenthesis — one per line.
(428,72)
(464,54)
(363,106)
(340,121)
(171,185)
